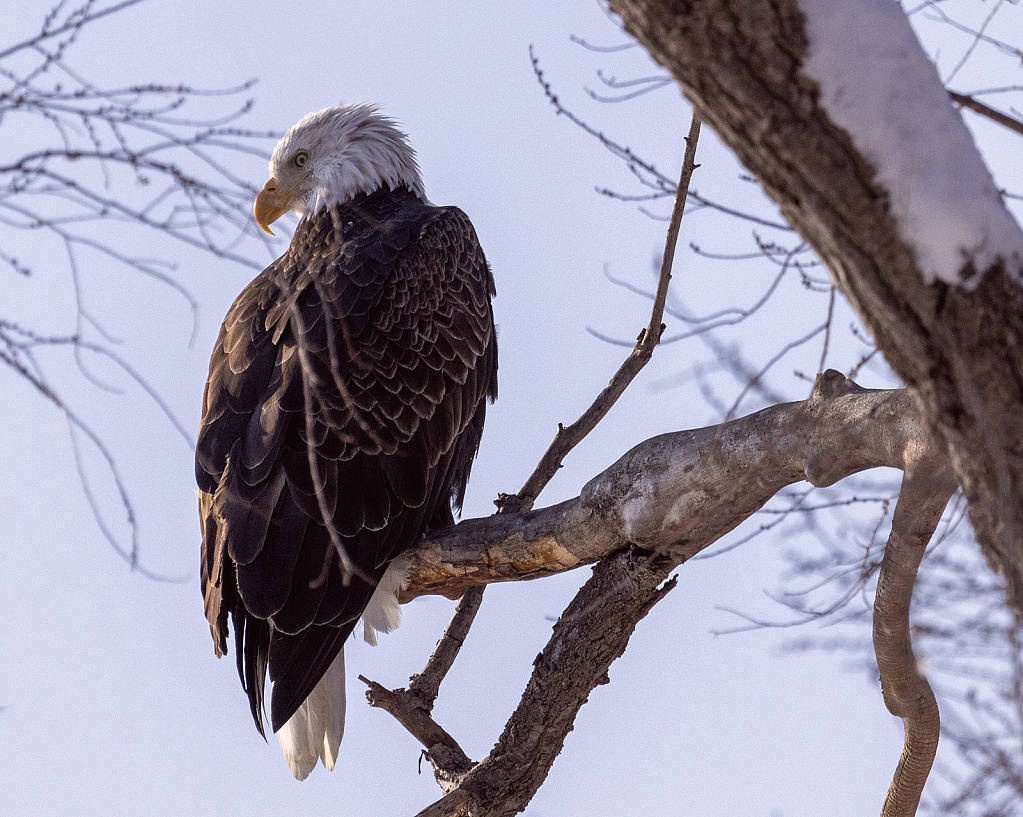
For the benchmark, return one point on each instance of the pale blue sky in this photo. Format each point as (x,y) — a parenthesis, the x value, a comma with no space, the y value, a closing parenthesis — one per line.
(114,701)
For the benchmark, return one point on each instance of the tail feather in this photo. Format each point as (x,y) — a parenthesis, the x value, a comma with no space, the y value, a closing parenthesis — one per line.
(314,731)
(383,614)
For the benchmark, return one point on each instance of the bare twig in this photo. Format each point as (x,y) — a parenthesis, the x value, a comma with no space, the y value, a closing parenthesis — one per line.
(134,156)
(986,110)
(569,436)
(645,172)
(445,753)
(978,38)
(72,24)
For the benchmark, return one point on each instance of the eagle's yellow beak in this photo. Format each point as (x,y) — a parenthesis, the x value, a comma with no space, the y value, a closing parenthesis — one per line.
(272,203)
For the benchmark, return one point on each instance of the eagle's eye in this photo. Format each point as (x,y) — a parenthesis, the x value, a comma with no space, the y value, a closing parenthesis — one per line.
(300,159)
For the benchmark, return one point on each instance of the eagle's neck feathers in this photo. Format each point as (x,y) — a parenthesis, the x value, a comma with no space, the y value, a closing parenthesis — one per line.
(365,166)
(353,149)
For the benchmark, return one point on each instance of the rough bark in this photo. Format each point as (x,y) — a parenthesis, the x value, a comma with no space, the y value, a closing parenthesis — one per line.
(960,352)
(593,631)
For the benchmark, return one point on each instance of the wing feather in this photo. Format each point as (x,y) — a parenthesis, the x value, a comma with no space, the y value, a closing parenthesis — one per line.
(265,582)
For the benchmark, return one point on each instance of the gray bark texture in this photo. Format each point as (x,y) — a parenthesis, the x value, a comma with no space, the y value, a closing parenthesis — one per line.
(960,352)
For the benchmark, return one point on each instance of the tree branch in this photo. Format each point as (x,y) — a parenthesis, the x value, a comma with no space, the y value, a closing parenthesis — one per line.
(449,761)
(412,707)
(142,155)
(986,110)
(927,486)
(679,493)
(592,632)
(426,685)
(664,501)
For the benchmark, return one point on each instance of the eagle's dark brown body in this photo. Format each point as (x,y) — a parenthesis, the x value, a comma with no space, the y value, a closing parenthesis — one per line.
(368,350)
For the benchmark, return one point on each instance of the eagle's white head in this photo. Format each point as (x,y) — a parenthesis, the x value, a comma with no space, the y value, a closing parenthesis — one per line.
(333,155)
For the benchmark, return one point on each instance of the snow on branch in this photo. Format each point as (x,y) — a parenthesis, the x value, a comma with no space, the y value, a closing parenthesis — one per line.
(744,66)
(884,91)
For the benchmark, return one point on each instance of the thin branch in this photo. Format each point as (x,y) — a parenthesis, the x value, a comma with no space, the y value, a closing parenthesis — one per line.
(443,750)
(986,110)
(426,685)
(131,155)
(978,37)
(74,22)
(412,707)
(603,49)
(569,436)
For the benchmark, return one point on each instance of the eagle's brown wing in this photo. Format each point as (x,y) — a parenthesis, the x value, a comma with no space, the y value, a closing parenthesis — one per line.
(344,406)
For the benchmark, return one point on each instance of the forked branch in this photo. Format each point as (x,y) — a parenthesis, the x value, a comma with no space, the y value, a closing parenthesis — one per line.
(661,503)
(593,631)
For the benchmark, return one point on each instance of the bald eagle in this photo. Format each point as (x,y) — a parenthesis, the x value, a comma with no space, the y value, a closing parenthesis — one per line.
(343,410)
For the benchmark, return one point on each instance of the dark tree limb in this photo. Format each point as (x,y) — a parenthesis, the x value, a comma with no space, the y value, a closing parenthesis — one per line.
(979,107)
(592,632)
(449,761)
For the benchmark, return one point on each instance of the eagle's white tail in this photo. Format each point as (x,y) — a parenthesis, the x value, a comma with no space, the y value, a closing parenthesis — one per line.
(314,731)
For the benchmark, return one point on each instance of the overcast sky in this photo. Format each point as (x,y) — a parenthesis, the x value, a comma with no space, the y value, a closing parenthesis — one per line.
(114,701)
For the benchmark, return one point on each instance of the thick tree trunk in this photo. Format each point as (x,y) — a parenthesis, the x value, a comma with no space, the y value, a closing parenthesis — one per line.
(960,352)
